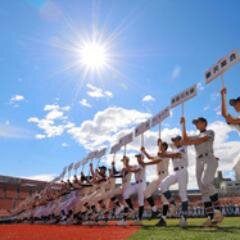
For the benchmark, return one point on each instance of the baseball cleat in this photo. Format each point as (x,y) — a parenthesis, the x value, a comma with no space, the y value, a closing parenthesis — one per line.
(218,216)
(119,210)
(122,222)
(209,223)
(161,223)
(154,214)
(183,222)
(172,210)
(137,223)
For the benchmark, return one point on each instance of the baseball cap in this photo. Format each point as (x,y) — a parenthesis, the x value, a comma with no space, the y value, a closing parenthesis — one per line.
(233,101)
(177,138)
(124,158)
(200,119)
(102,167)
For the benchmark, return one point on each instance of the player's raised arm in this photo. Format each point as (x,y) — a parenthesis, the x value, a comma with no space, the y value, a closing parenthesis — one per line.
(202,124)
(235,103)
(223,103)
(143,150)
(131,169)
(183,127)
(170,154)
(92,170)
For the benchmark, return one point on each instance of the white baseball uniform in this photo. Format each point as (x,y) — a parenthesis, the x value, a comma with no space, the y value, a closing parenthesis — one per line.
(139,186)
(162,172)
(180,174)
(206,165)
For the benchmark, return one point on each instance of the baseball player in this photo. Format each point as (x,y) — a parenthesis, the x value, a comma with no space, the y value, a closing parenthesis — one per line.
(126,186)
(206,167)
(180,175)
(162,172)
(235,103)
(138,187)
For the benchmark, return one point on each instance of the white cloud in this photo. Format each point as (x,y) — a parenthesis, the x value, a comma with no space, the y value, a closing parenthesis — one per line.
(96,92)
(176,72)
(65,145)
(14,100)
(106,126)
(227,151)
(207,107)
(48,124)
(9,131)
(40,136)
(148,98)
(84,102)
(200,86)
(41,177)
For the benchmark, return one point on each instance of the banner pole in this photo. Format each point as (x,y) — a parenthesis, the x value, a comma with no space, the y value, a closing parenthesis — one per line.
(159,130)
(142,140)
(222,80)
(182,109)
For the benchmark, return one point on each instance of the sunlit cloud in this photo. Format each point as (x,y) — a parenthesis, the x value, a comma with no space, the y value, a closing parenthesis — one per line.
(84,102)
(148,98)
(96,92)
(176,72)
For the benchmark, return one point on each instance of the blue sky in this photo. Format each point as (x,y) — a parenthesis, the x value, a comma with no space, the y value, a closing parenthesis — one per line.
(157,48)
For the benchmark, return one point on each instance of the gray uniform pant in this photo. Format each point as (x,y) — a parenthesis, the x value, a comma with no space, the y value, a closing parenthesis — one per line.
(206,168)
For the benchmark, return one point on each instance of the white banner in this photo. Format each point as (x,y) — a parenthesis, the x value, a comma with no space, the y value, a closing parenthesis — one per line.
(92,155)
(77,165)
(115,148)
(64,171)
(57,179)
(143,127)
(101,153)
(160,117)
(126,139)
(222,65)
(70,166)
(84,161)
(184,96)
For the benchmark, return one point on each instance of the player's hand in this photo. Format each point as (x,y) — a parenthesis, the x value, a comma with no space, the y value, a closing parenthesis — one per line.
(142,149)
(159,141)
(224,91)
(182,120)
(229,118)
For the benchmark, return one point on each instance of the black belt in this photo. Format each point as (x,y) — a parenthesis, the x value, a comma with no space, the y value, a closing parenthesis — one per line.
(203,155)
(178,168)
(161,172)
(139,181)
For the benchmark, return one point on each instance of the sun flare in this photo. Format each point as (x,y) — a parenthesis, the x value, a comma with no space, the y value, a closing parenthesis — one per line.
(93,55)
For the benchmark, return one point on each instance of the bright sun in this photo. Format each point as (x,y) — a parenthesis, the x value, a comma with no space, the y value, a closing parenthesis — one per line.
(93,55)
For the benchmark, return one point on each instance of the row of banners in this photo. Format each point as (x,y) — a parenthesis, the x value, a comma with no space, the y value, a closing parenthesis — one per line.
(218,69)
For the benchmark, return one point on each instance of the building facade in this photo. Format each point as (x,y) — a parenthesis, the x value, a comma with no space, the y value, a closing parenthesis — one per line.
(14,190)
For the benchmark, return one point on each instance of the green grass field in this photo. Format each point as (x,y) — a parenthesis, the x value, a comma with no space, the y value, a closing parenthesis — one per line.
(229,229)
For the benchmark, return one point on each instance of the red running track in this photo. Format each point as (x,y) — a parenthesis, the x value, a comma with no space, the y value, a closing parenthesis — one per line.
(56,232)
